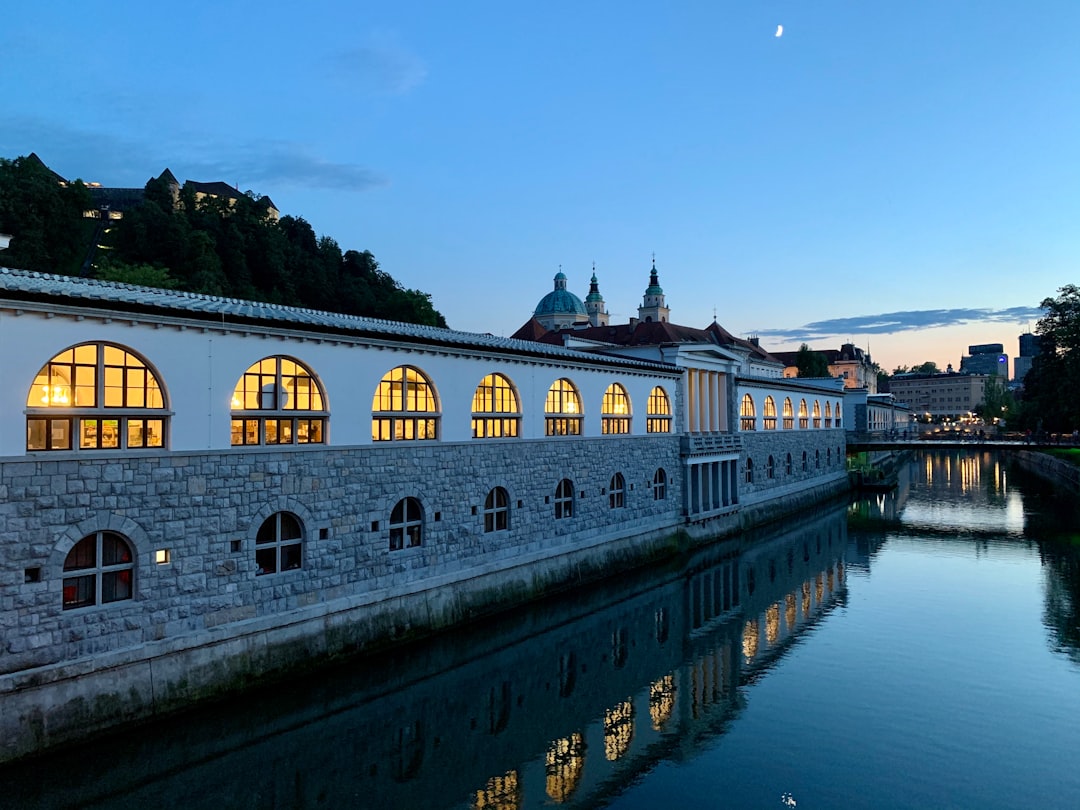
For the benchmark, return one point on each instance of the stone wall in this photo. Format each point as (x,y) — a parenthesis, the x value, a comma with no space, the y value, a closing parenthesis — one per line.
(825,461)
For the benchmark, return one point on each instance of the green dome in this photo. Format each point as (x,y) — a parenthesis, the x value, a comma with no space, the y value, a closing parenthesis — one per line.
(560,301)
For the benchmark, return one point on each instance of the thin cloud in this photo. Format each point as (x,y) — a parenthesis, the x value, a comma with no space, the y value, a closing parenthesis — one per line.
(280,164)
(889,323)
(381,65)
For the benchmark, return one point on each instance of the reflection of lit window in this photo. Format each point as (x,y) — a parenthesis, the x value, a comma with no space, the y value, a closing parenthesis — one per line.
(790,611)
(99,569)
(750,640)
(563,765)
(819,588)
(661,701)
(659,412)
(496,412)
(278,544)
(615,410)
(562,410)
(404,407)
(500,793)
(277,401)
(95,397)
(806,599)
(618,730)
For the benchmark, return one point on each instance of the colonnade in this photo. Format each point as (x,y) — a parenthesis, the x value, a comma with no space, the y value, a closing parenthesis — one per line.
(707,401)
(713,485)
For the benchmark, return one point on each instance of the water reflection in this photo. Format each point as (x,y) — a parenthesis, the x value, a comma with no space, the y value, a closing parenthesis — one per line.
(559,704)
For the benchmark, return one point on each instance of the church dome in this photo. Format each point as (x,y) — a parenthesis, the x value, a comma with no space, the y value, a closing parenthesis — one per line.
(560,301)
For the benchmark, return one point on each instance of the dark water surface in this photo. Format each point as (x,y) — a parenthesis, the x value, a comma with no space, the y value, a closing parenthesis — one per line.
(916,649)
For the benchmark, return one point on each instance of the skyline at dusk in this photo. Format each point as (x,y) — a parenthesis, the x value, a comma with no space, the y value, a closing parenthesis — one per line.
(901,177)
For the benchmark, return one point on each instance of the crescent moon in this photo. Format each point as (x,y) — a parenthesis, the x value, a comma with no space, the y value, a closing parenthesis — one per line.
(779,30)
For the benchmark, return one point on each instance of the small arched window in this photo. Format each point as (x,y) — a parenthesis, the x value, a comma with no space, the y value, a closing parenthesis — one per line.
(817,414)
(279,544)
(98,570)
(615,410)
(804,415)
(828,414)
(749,470)
(562,410)
(278,401)
(659,485)
(497,511)
(404,407)
(770,468)
(496,411)
(788,466)
(805,462)
(564,499)
(406,524)
(747,417)
(817,459)
(770,413)
(95,396)
(617,492)
(658,419)
(789,414)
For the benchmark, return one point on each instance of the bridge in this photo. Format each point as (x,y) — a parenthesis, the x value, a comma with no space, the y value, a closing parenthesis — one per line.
(857,443)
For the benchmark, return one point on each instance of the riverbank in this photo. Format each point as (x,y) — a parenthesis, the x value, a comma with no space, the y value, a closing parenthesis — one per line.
(1049,467)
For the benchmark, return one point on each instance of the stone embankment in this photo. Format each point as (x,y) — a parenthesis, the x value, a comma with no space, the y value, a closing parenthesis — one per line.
(1054,469)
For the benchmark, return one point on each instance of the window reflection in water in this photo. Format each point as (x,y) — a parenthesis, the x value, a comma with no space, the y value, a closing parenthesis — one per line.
(500,793)
(772,624)
(661,702)
(750,640)
(618,730)
(790,611)
(564,764)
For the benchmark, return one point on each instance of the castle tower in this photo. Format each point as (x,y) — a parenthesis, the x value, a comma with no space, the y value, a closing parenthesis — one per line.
(652,306)
(594,303)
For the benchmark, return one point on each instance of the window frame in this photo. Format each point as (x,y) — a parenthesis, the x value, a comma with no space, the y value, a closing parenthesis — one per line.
(501,418)
(658,411)
(617,492)
(769,413)
(496,510)
(278,545)
(804,415)
(405,424)
(563,411)
(98,571)
(410,524)
(564,499)
(265,412)
(789,414)
(659,484)
(747,413)
(615,411)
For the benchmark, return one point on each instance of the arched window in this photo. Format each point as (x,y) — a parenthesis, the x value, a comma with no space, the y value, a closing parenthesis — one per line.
(617,492)
(749,470)
(95,396)
(562,410)
(615,410)
(817,414)
(828,414)
(770,413)
(804,415)
(405,407)
(770,468)
(659,485)
(789,414)
(564,499)
(278,401)
(279,544)
(788,466)
(496,410)
(658,419)
(817,459)
(836,412)
(406,524)
(497,511)
(828,457)
(805,462)
(99,569)
(747,420)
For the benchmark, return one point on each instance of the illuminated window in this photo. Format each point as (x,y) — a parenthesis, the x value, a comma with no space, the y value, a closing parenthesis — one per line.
(828,414)
(817,414)
(562,410)
(95,396)
(496,411)
(789,414)
(749,470)
(278,401)
(406,524)
(804,415)
(617,492)
(658,419)
(770,468)
(497,511)
(615,410)
(837,415)
(564,499)
(98,570)
(769,415)
(659,485)
(747,420)
(279,544)
(404,407)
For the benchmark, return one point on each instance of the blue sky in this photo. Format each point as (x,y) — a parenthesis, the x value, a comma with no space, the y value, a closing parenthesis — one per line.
(902,174)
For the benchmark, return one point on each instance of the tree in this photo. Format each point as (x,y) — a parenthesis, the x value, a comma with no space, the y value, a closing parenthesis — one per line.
(144,275)
(997,401)
(929,367)
(811,363)
(1050,388)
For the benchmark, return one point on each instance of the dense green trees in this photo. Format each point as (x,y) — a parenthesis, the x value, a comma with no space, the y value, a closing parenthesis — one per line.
(1052,387)
(811,363)
(207,244)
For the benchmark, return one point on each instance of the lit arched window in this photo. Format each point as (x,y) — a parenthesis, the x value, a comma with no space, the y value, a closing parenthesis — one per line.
(615,410)
(804,415)
(99,569)
(659,485)
(836,412)
(406,524)
(279,544)
(496,412)
(404,407)
(749,470)
(278,401)
(817,414)
(770,413)
(828,414)
(658,418)
(617,492)
(770,468)
(747,420)
(564,499)
(95,396)
(789,414)
(562,410)
(497,511)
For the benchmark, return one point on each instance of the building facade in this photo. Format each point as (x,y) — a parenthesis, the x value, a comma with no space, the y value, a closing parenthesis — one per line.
(935,396)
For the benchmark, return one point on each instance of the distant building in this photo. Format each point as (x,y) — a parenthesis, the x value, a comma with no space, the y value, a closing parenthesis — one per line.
(986,358)
(1029,350)
(950,395)
(849,362)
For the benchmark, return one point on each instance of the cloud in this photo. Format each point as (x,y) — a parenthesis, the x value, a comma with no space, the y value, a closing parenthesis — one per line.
(282,164)
(381,65)
(889,323)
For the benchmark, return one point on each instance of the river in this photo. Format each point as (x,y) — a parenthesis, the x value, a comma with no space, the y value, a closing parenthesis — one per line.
(915,649)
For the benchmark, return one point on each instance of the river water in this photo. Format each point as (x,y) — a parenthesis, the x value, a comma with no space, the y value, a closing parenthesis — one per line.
(916,649)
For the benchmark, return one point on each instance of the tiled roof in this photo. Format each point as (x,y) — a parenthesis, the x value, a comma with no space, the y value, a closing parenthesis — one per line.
(129,298)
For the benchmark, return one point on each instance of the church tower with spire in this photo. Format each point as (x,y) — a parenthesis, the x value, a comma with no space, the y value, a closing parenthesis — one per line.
(652,306)
(594,303)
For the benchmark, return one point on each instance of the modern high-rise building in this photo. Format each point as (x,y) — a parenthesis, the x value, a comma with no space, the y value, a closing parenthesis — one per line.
(1029,349)
(986,358)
